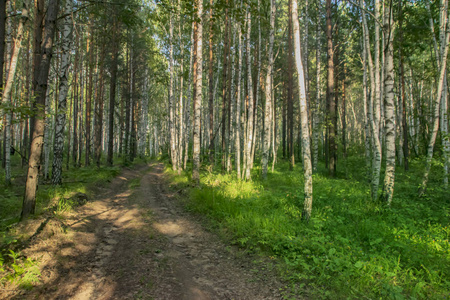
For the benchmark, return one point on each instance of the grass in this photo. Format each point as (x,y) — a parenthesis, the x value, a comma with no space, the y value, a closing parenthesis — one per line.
(14,267)
(352,247)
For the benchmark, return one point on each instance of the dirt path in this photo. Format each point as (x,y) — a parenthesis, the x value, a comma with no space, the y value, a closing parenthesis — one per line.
(140,244)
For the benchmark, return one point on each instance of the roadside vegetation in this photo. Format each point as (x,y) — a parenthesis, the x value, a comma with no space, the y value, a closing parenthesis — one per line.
(352,247)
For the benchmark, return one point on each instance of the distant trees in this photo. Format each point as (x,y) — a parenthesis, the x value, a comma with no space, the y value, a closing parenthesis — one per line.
(133,79)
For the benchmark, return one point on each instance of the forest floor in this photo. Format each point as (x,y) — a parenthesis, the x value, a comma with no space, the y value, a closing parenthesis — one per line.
(135,240)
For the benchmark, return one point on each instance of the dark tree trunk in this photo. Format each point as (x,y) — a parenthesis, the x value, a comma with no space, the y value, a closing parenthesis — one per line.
(112,94)
(290,98)
(331,104)
(29,200)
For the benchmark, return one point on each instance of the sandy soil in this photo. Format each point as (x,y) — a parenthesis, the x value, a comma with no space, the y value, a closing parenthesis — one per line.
(139,243)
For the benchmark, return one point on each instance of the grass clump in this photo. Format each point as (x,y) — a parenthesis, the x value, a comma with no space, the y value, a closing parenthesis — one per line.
(352,247)
(51,200)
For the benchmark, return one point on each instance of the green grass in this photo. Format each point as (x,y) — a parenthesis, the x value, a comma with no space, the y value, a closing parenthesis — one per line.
(352,247)
(55,199)
(75,180)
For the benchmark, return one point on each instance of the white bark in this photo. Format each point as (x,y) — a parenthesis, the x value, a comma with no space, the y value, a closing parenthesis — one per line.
(238,120)
(249,137)
(388,188)
(268,90)
(173,148)
(62,98)
(306,151)
(438,99)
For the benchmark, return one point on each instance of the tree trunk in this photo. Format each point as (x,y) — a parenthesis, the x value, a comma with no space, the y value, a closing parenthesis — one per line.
(11,65)
(268,90)
(389,106)
(173,148)
(331,103)
(198,94)
(224,87)
(238,105)
(29,201)
(75,105)
(290,98)
(89,97)
(306,151)
(211,86)
(437,100)
(248,142)
(98,127)
(63,91)
(112,91)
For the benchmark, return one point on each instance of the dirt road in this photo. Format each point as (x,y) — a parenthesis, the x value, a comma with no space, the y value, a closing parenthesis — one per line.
(138,243)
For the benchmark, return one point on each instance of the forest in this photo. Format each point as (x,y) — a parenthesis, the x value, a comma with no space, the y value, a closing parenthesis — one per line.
(313,134)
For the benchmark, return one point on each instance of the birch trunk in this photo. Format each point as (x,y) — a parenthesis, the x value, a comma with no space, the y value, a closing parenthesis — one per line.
(437,100)
(389,106)
(367,139)
(376,164)
(63,91)
(232,114)
(238,121)
(11,65)
(173,150)
(268,90)
(248,142)
(306,150)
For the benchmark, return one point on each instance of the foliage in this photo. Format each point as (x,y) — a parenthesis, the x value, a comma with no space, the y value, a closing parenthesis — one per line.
(352,247)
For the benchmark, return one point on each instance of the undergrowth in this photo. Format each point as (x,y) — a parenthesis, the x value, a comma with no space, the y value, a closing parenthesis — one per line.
(352,247)
(54,200)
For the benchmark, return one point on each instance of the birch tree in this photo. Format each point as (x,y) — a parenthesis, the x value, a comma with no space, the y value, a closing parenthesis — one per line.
(63,91)
(306,150)
(268,92)
(389,106)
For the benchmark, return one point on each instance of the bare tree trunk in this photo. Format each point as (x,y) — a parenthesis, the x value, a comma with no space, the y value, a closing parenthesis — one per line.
(268,90)
(98,127)
(331,103)
(404,123)
(231,113)
(248,146)
(173,150)
(11,65)
(367,139)
(290,100)
(238,105)
(438,98)
(211,86)
(306,150)
(188,105)
(389,106)
(29,201)
(376,164)
(316,107)
(62,100)
(75,106)
(112,91)
(226,49)
(89,97)
(198,95)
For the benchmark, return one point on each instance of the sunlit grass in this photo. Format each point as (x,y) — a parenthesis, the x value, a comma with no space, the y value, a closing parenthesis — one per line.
(353,246)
